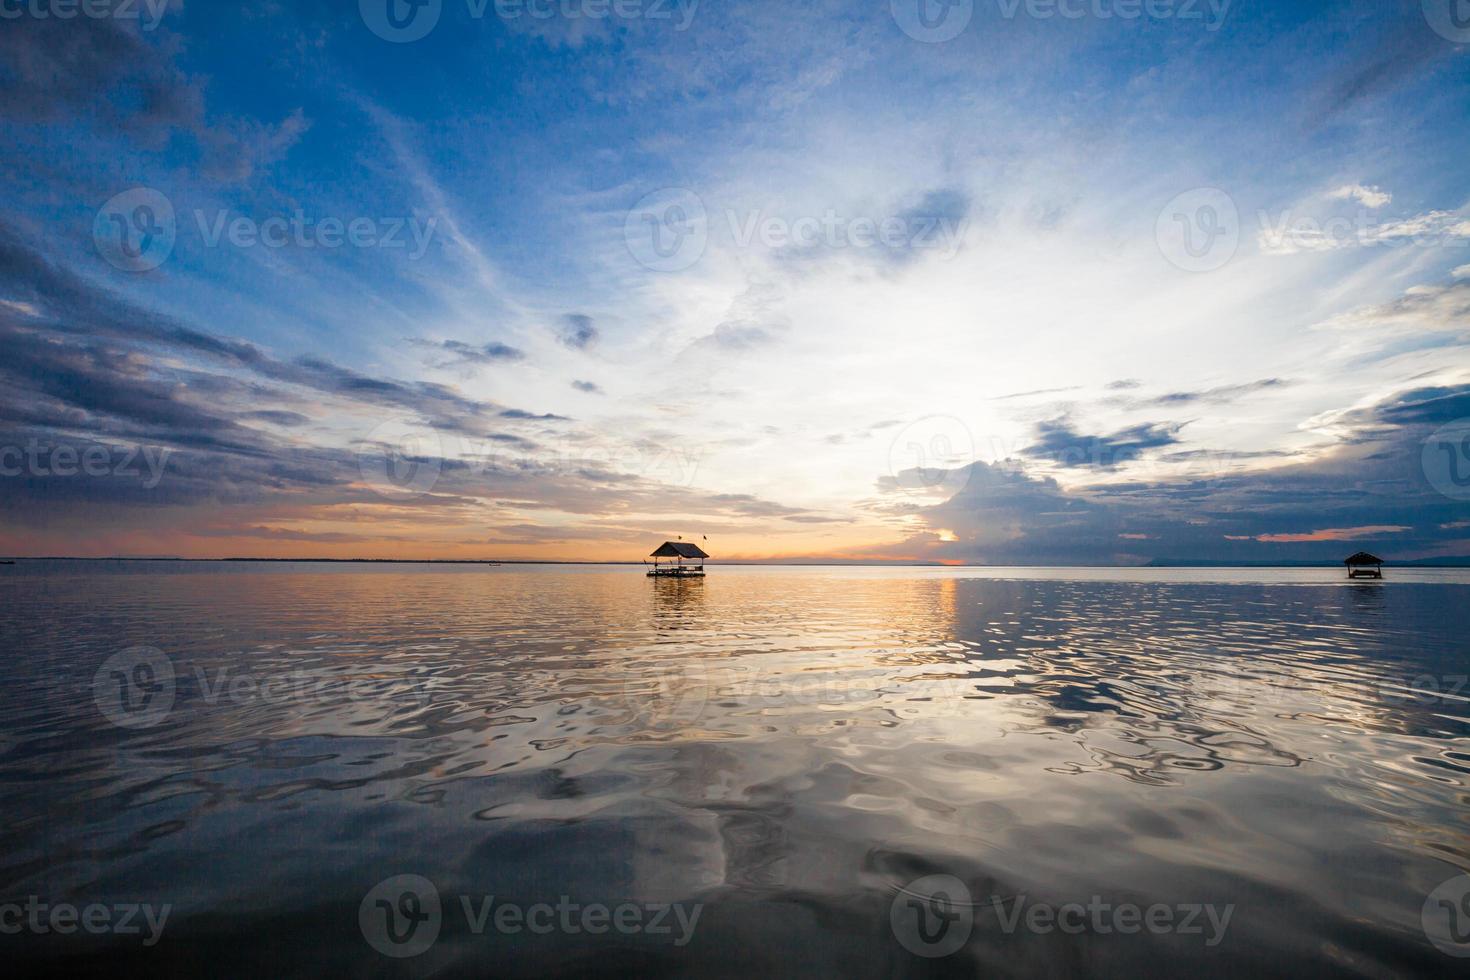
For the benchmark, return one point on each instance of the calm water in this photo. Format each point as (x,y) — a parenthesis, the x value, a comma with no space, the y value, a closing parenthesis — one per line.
(812,761)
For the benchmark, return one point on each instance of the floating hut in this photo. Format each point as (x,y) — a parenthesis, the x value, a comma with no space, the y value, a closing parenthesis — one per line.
(680,552)
(1364,565)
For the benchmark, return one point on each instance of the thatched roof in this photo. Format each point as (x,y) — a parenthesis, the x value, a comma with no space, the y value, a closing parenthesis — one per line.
(1363,558)
(678,549)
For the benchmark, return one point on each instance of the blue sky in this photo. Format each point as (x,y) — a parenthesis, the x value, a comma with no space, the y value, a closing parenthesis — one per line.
(1093,282)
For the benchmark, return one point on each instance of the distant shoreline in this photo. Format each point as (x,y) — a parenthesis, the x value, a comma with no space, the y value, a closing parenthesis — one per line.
(1157,564)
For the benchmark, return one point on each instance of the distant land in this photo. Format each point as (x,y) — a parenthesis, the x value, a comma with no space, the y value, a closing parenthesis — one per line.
(1387,563)
(795,562)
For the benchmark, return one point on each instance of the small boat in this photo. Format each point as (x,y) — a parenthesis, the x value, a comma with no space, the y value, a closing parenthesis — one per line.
(680,552)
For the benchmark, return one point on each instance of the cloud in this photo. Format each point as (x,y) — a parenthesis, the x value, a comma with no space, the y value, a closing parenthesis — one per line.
(577,331)
(1291,234)
(1058,442)
(465,354)
(1369,197)
(1369,484)
(516,413)
(1221,394)
(589,387)
(1337,533)
(109,72)
(734,337)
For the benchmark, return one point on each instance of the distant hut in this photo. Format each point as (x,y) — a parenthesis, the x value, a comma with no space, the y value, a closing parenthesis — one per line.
(680,552)
(1364,565)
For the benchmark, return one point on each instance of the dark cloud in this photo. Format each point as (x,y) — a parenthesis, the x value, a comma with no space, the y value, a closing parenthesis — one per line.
(751,506)
(1370,487)
(1032,394)
(589,387)
(577,331)
(734,337)
(109,72)
(516,413)
(462,354)
(278,417)
(1397,55)
(71,309)
(1221,394)
(1058,442)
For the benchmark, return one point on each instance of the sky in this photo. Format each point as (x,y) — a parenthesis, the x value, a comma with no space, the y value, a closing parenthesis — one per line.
(959,281)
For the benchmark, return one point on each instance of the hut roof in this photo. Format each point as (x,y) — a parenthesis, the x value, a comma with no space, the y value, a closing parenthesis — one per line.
(1363,558)
(678,549)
